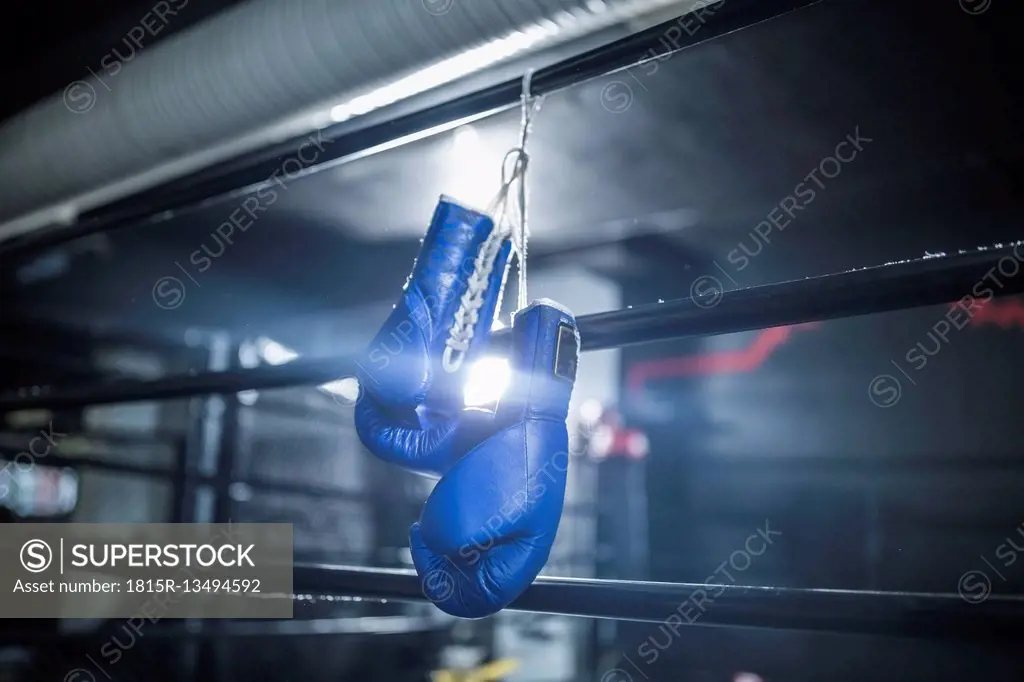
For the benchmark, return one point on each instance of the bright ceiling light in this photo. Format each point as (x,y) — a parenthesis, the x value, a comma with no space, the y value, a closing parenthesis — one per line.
(273,353)
(346,390)
(248,398)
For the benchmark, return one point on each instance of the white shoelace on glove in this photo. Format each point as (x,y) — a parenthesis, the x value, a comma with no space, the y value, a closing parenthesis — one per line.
(508,210)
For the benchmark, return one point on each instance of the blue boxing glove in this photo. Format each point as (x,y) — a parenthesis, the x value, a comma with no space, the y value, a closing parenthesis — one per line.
(413,372)
(487,528)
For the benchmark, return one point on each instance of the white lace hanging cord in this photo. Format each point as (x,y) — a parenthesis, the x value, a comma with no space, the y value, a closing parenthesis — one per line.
(521,160)
(505,204)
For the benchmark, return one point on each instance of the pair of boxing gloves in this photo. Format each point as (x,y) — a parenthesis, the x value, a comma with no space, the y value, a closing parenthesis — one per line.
(488,527)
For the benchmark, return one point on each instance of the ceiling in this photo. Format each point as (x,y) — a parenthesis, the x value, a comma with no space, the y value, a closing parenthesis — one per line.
(676,160)
(58,42)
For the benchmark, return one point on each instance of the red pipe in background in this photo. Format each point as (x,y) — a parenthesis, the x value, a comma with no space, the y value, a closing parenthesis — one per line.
(738,361)
(1005,314)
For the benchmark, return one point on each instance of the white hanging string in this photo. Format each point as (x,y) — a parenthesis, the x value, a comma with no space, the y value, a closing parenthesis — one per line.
(514,209)
(508,210)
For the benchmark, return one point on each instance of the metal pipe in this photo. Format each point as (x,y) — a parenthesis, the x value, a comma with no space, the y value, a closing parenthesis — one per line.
(896,614)
(94,462)
(300,373)
(318,61)
(353,139)
(980,274)
(256,484)
(359,626)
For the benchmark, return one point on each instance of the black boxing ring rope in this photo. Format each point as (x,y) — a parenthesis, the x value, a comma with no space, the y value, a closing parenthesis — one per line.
(897,614)
(983,273)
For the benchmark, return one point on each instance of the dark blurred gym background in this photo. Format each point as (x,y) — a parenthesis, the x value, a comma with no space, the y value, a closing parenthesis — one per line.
(871,470)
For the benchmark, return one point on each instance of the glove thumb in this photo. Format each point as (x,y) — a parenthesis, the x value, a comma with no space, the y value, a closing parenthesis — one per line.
(403,440)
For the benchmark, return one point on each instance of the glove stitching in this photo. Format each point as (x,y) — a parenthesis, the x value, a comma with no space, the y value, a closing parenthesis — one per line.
(541,417)
(414,288)
(526,413)
(428,384)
